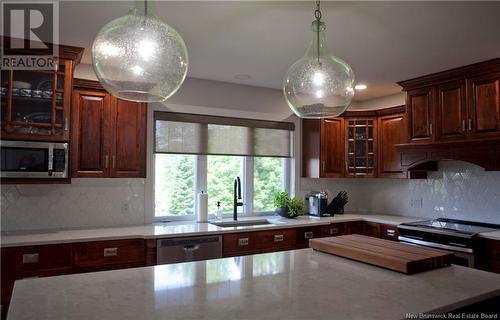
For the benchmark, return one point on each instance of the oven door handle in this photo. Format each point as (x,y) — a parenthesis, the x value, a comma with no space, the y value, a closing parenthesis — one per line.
(434,245)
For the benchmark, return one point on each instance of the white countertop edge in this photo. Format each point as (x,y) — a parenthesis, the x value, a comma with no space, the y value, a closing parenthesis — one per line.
(466,302)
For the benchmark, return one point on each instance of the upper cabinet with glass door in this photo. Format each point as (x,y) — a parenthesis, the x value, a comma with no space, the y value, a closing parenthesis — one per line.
(36,104)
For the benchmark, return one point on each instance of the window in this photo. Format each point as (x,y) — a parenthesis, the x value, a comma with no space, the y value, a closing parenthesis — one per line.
(221,171)
(195,153)
(174,184)
(268,178)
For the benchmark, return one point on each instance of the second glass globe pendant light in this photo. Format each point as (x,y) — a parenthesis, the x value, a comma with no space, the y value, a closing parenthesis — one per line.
(138,57)
(319,85)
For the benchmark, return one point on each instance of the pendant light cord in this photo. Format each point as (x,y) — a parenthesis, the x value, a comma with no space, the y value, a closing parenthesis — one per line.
(145,8)
(317,15)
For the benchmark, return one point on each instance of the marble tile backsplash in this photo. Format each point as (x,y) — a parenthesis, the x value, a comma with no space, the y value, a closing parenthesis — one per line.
(458,190)
(83,203)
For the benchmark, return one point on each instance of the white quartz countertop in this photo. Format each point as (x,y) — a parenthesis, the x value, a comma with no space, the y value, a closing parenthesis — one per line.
(179,229)
(300,284)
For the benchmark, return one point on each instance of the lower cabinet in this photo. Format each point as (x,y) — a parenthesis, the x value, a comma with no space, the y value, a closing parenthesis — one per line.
(105,255)
(487,255)
(371,229)
(29,262)
(304,234)
(258,242)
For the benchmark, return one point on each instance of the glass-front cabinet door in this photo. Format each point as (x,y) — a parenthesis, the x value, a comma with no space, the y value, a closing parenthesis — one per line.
(361,147)
(35,103)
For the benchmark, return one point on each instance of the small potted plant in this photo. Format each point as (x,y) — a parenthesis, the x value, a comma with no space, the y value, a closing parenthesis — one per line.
(288,207)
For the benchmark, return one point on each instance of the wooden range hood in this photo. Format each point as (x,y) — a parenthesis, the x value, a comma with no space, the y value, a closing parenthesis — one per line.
(453,115)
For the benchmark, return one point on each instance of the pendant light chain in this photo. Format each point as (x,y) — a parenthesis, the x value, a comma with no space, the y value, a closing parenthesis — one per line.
(317,14)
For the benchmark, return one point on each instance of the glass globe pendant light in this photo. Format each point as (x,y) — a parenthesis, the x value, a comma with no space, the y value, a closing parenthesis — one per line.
(319,85)
(138,57)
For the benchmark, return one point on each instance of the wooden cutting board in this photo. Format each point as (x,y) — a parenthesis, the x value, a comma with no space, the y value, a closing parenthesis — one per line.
(388,254)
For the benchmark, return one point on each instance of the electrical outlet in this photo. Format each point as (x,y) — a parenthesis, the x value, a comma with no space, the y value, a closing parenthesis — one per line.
(125,207)
(417,203)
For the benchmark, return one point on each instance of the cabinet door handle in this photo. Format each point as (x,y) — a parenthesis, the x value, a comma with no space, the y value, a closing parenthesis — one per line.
(278,237)
(463,126)
(66,124)
(470,124)
(391,232)
(31,258)
(308,235)
(323,165)
(110,252)
(243,242)
(106,161)
(114,162)
(334,231)
(430,129)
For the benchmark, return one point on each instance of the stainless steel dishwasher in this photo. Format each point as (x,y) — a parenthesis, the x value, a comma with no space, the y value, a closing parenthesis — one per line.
(188,249)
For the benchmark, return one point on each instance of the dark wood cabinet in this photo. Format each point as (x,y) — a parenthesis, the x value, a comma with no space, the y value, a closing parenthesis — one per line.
(419,112)
(304,234)
(108,136)
(105,255)
(128,139)
(353,145)
(451,111)
(36,104)
(360,147)
(332,148)
(484,106)
(90,138)
(371,229)
(237,244)
(391,131)
(389,232)
(487,254)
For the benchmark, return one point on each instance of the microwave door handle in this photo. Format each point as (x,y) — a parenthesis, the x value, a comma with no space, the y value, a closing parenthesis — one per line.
(51,158)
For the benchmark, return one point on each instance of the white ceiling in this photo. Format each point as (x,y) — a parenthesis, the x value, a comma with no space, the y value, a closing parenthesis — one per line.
(384,42)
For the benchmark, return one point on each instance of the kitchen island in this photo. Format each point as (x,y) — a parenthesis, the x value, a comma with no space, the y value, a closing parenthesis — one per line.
(300,284)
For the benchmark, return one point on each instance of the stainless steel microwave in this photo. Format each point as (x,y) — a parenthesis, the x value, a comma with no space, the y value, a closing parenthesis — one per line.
(33,159)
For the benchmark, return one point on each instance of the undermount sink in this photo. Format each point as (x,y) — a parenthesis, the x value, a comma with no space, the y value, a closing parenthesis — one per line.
(240,223)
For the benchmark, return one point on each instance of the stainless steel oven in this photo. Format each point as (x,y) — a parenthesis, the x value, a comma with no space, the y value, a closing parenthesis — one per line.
(34,159)
(452,235)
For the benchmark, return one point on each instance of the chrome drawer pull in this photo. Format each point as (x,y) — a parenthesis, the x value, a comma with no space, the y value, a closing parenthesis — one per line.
(110,252)
(278,237)
(31,258)
(308,235)
(391,232)
(243,242)
(334,231)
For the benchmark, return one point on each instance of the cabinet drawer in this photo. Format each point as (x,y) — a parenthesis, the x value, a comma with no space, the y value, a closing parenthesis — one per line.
(35,260)
(333,230)
(241,243)
(389,232)
(103,254)
(371,229)
(278,239)
(304,234)
(353,227)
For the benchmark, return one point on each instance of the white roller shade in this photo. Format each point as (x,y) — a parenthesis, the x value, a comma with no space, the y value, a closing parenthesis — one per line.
(195,134)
